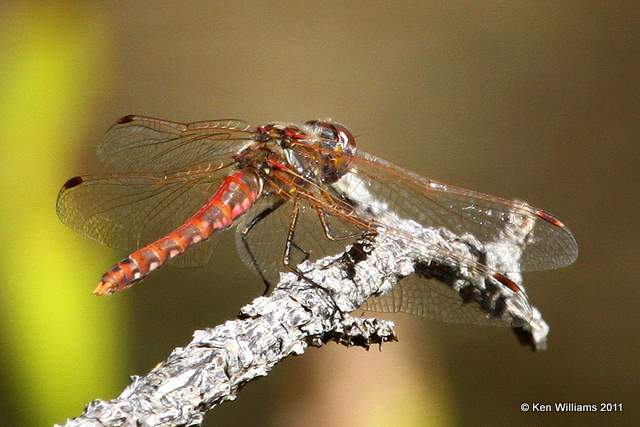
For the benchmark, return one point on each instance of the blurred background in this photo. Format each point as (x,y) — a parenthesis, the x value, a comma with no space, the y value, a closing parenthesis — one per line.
(534,100)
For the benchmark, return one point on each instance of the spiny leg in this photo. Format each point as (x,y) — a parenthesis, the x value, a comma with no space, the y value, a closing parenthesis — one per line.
(286,259)
(326,228)
(244,236)
(289,243)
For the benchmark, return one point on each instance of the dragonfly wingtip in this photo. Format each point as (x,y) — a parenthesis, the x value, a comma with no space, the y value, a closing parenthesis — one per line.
(125,119)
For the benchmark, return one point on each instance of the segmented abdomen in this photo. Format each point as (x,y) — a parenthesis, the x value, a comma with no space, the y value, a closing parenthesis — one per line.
(237,193)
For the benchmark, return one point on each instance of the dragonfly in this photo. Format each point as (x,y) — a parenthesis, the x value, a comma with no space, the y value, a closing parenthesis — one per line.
(173,188)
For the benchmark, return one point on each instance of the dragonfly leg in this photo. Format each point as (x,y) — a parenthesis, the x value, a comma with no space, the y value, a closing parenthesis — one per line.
(301,249)
(290,242)
(286,259)
(293,223)
(331,236)
(326,228)
(244,233)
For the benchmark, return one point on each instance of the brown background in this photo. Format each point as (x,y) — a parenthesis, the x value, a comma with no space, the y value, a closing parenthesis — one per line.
(534,100)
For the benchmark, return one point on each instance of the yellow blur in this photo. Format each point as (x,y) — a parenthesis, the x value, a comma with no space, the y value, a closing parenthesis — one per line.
(61,346)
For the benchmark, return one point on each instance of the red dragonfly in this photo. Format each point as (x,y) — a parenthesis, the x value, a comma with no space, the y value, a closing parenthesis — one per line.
(176,186)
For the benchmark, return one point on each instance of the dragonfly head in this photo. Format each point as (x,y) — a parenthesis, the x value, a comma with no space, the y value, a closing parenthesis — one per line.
(320,150)
(335,147)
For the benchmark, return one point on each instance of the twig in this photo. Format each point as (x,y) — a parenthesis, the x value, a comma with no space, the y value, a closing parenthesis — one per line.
(220,360)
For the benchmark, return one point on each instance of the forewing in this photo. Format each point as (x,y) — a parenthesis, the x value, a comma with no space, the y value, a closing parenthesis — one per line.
(128,212)
(549,244)
(147,145)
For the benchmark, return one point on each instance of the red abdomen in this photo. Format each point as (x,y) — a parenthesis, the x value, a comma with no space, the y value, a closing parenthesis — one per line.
(237,193)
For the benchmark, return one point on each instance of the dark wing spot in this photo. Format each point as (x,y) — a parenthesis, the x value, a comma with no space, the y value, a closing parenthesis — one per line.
(506,282)
(73,182)
(125,119)
(549,218)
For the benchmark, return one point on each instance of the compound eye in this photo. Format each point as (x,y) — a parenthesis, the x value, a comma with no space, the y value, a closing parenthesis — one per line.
(345,138)
(335,133)
(328,133)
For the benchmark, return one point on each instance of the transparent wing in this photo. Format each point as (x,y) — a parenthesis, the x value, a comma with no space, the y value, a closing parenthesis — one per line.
(263,247)
(549,245)
(197,255)
(148,145)
(129,211)
(268,222)
(432,298)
